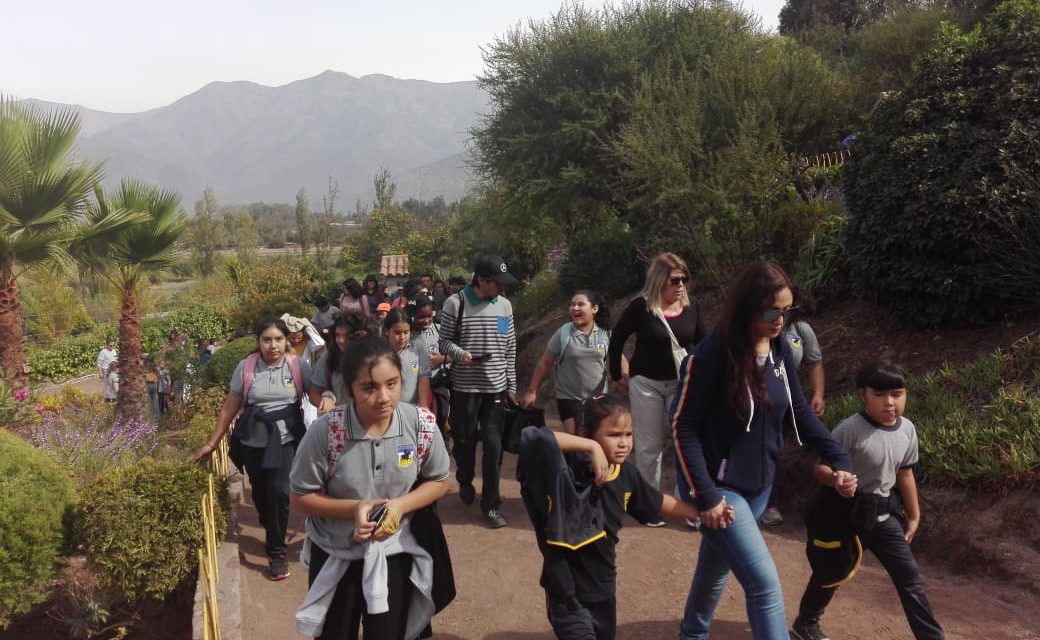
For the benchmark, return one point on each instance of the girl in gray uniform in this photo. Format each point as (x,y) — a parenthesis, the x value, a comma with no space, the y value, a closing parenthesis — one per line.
(362,470)
(579,351)
(415,362)
(265,394)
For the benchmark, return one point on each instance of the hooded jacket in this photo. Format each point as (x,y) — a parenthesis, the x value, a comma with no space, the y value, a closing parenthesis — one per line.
(717,448)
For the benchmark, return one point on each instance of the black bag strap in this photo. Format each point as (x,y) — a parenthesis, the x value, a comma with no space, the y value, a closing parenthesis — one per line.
(458,321)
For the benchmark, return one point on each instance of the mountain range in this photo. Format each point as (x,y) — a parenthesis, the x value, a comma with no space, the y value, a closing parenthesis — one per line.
(256,143)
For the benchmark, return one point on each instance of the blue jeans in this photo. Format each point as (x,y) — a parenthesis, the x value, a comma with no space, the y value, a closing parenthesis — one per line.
(739,548)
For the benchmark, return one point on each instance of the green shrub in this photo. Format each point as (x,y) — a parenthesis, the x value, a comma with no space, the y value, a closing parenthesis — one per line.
(35,495)
(142,526)
(78,355)
(281,285)
(978,425)
(944,182)
(221,366)
(605,260)
(539,296)
(823,260)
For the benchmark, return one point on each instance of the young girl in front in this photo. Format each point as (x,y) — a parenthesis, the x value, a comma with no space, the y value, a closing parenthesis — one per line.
(415,364)
(576,502)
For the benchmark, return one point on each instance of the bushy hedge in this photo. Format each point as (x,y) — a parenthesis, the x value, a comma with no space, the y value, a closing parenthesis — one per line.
(944,187)
(142,526)
(77,355)
(978,425)
(221,366)
(35,495)
(605,260)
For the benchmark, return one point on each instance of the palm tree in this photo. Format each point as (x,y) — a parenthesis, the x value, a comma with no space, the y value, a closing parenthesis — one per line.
(43,189)
(125,257)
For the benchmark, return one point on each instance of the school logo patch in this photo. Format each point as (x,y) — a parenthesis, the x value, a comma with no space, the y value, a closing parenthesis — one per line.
(405,455)
(601,347)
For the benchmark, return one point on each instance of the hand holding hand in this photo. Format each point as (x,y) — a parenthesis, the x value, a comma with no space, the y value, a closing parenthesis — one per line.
(718,517)
(844,483)
(511,397)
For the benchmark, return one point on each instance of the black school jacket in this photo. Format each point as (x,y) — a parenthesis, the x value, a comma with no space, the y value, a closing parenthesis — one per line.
(717,448)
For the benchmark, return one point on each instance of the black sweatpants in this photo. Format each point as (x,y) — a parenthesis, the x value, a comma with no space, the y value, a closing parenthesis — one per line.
(271,494)
(572,619)
(347,611)
(887,543)
(478,416)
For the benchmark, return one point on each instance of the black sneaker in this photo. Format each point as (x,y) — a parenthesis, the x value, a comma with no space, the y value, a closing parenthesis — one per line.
(278,567)
(467,493)
(808,632)
(495,519)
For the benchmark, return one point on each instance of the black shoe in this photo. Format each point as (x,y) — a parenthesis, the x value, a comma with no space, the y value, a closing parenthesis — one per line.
(467,493)
(495,519)
(808,632)
(278,567)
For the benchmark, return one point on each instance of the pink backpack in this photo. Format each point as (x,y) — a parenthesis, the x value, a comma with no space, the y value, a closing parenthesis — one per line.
(249,372)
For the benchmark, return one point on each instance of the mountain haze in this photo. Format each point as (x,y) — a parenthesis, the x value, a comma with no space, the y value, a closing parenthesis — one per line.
(256,143)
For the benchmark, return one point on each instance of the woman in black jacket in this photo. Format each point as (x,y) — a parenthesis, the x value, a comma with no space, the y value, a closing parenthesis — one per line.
(735,395)
(667,323)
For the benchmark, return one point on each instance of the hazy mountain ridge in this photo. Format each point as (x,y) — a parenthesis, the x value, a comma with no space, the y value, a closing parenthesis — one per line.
(252,142)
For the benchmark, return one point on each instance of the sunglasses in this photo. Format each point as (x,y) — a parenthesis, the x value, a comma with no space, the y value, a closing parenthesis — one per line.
(679,281)
(772,315)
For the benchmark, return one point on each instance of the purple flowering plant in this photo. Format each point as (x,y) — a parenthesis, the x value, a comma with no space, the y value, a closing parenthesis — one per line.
(88,438)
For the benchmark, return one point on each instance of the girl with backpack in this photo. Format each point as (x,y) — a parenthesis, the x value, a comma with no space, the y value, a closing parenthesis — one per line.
(266,393)
(363,472)
(415,363)
(326,388)
(578,350)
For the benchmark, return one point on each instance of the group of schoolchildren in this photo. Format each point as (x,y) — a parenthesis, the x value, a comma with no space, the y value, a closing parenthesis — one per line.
(734,393)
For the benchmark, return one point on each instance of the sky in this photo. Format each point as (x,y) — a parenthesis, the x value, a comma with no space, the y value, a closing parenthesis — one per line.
(133,55)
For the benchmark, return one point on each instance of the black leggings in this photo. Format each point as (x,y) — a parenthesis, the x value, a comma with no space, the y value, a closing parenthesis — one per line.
(347,611)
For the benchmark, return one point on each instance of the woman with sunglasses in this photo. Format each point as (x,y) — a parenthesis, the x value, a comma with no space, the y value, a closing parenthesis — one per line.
(735,396)
(667,323)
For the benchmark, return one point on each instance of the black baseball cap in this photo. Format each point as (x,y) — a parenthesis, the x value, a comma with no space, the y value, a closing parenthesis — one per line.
(494,267)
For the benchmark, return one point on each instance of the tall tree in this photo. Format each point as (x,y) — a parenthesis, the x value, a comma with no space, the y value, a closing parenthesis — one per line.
(125,258)
(303,221)
(43,188)
(385,189)
(207,232)
(323,235)
(247,240)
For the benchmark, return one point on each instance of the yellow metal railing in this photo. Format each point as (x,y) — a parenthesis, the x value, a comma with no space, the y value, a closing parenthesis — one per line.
(209,572)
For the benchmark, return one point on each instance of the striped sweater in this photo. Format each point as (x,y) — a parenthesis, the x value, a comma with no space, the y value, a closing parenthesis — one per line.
(487,328)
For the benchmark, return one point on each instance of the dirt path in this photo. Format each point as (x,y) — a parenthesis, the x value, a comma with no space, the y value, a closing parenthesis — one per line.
(499,597)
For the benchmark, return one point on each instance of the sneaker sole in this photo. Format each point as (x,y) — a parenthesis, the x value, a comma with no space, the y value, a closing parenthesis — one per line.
(278,578)
(655,525)
(797,636)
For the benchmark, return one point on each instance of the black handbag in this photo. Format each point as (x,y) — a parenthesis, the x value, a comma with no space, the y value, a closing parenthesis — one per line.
(515,420)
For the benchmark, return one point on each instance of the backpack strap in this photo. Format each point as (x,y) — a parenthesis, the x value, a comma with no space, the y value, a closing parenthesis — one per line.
(248,373)
(337,437)
(425,425)
(566,331)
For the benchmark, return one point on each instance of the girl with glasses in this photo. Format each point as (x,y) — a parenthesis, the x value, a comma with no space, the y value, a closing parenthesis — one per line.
(667,322)
(735,395)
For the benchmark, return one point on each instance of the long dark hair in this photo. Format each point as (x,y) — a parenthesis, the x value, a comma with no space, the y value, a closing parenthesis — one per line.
(751,293)
(602,317)
(353,288)
(395,316)
(352,322)
(363,354)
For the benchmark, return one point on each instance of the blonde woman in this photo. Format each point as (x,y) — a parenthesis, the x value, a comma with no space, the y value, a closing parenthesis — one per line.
(667,323)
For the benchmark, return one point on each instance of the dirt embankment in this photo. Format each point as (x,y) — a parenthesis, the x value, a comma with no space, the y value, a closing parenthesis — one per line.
(969,533)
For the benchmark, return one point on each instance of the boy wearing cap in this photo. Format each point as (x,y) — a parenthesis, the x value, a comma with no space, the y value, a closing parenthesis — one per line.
(478,335)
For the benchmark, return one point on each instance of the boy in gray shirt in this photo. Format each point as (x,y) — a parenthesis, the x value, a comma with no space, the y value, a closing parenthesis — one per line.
(883,447)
